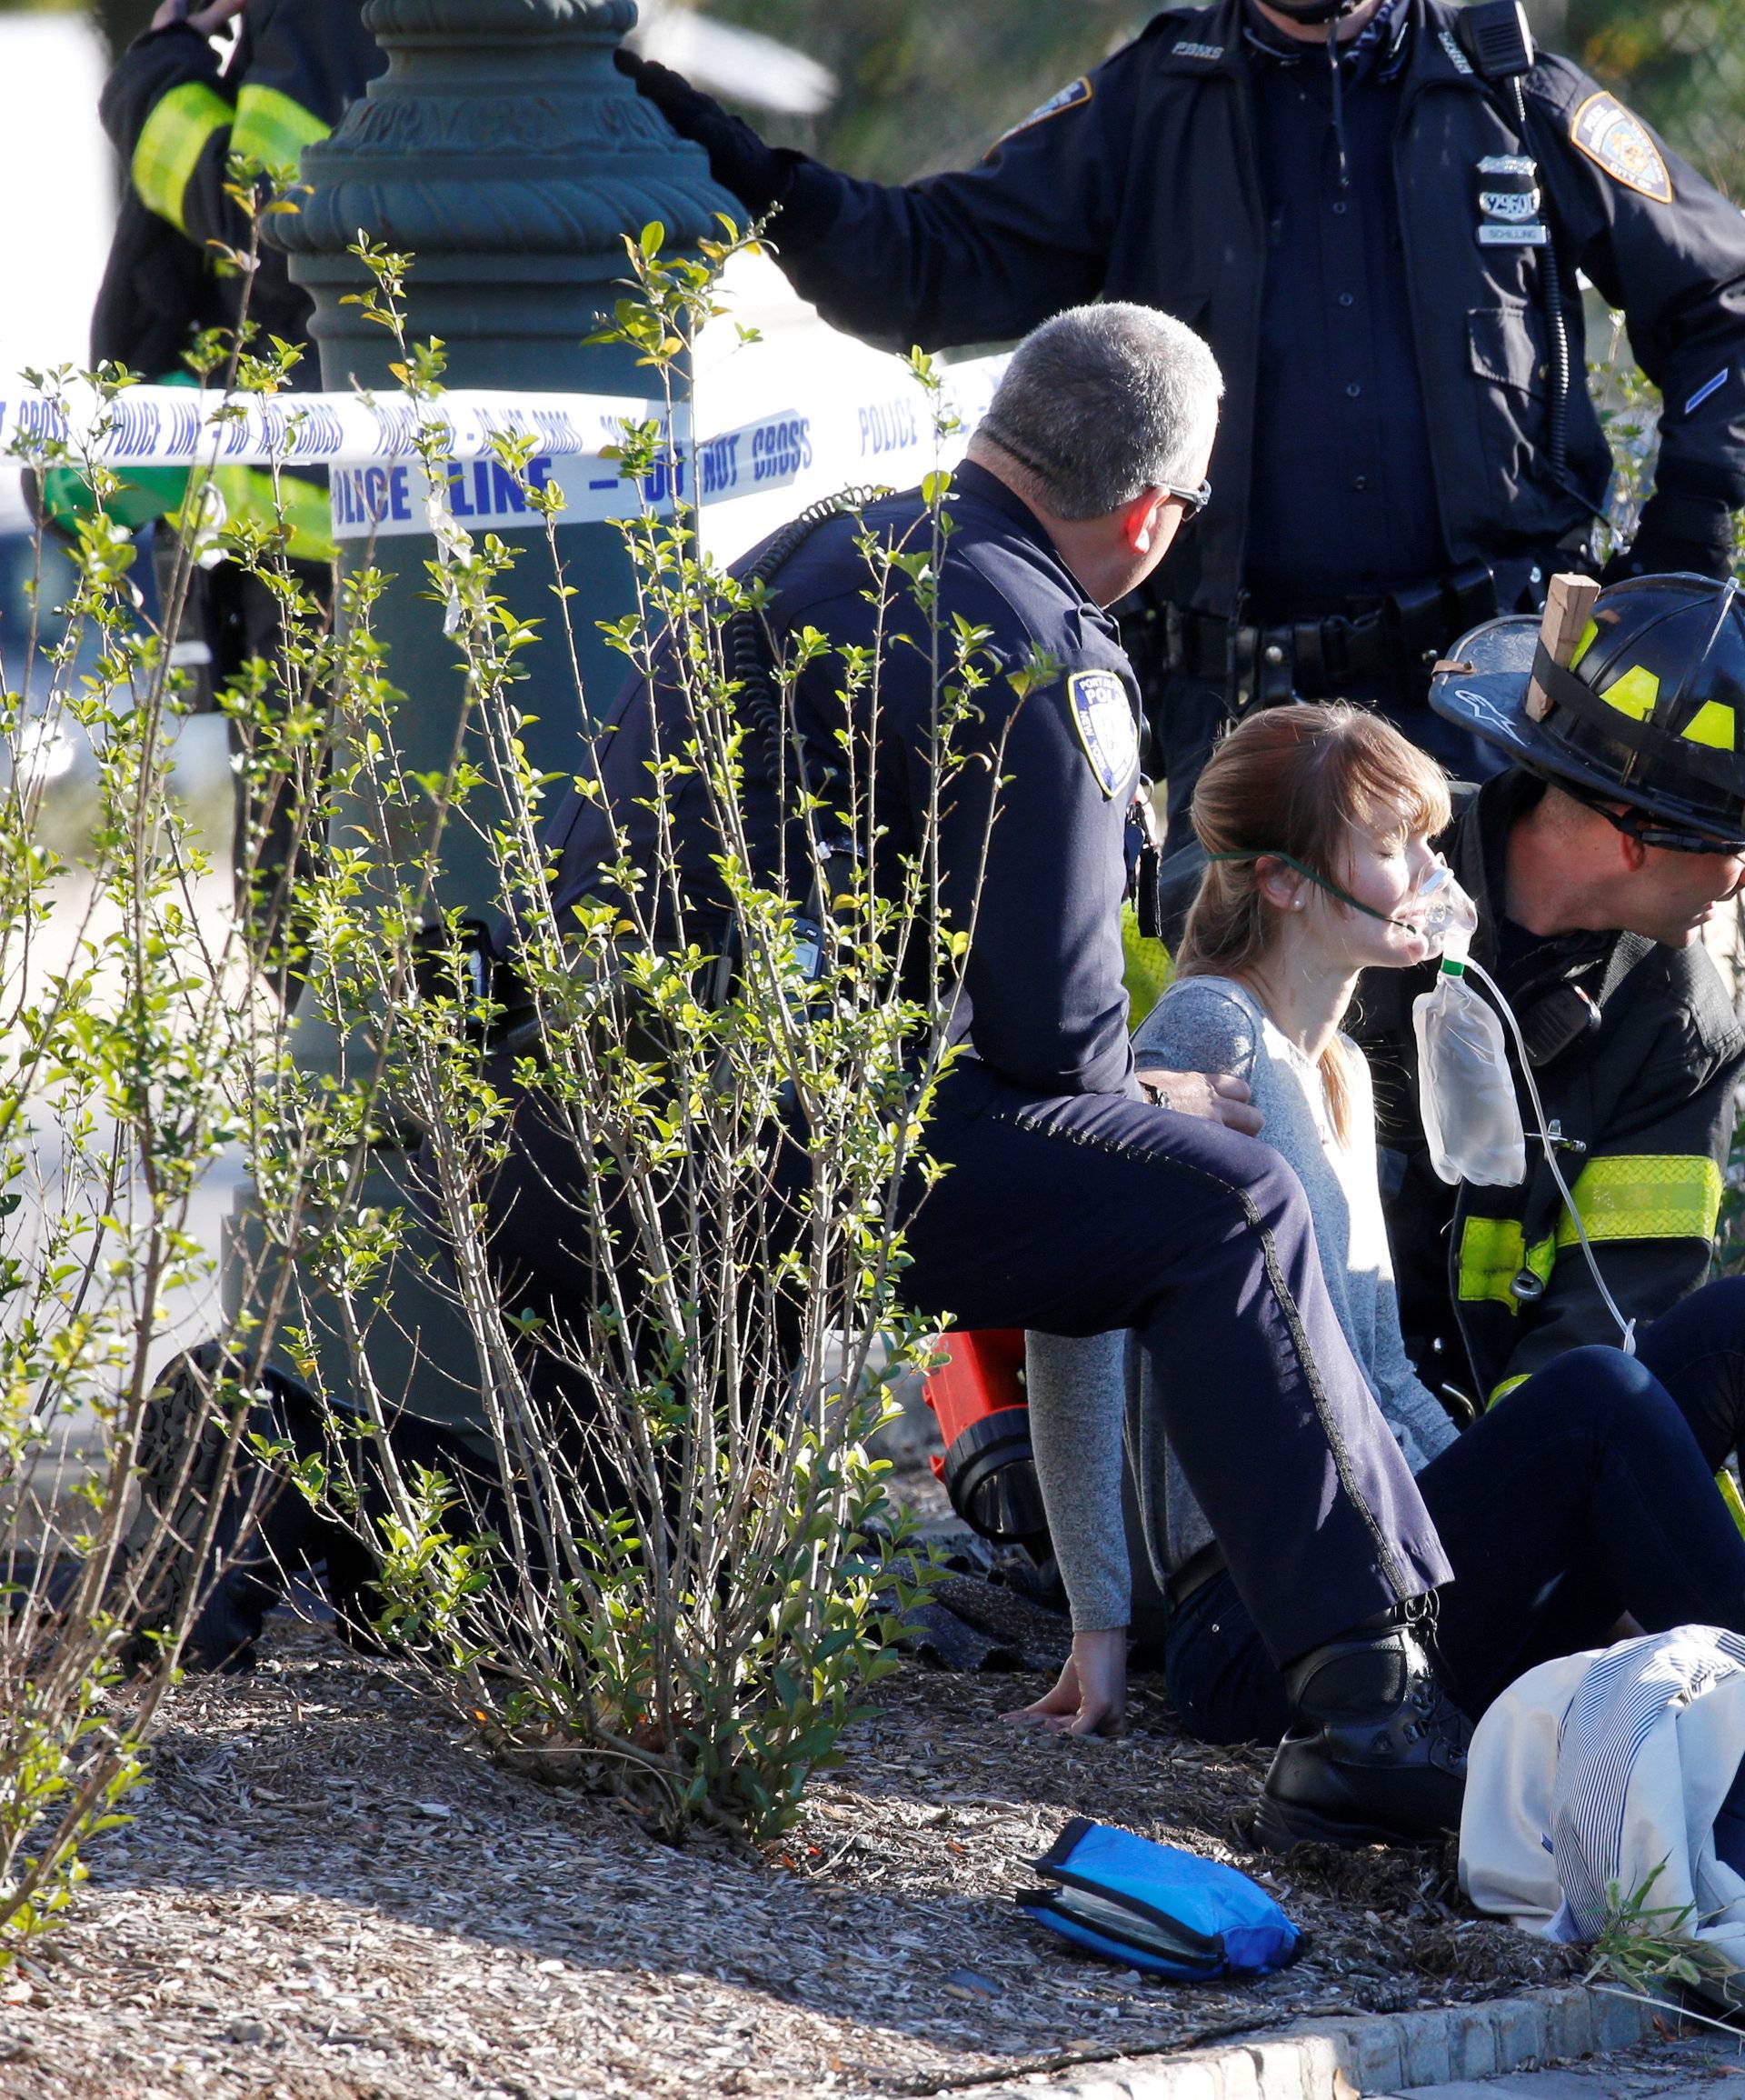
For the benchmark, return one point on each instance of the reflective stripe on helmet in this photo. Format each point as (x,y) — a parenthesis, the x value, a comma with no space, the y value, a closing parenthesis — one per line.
(1713,724)
(170,145)
(272,129)
(1636,693)
(1621,713)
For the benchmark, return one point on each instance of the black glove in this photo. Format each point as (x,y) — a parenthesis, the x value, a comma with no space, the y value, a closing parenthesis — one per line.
(739,160)
(1677,533)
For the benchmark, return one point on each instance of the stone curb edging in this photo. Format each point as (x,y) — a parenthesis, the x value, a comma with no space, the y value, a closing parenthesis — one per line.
(1380,2053)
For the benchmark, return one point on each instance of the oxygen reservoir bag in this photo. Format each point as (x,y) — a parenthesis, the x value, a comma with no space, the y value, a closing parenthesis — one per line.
(1466,1096)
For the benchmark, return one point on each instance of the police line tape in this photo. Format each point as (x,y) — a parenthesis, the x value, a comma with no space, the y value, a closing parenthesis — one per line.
(822,437)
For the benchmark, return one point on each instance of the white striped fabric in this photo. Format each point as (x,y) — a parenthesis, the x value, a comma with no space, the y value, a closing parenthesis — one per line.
(1592,1774)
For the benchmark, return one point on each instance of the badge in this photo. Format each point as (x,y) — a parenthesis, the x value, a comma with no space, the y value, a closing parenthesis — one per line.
(1103,716)
(1071,97)
(1618,142)
(1508,202)
(1509,186)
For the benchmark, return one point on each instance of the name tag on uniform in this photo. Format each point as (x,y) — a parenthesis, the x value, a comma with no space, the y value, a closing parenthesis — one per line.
(1103,717)
(1531,235)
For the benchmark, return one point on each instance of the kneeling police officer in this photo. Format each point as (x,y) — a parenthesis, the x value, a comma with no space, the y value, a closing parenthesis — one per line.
(1071,1203)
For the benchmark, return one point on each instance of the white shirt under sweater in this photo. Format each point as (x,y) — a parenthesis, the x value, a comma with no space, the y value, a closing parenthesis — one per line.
(1077,1388)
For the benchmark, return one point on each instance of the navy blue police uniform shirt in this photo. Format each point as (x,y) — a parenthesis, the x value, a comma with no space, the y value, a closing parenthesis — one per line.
(1342,503)
(1142,180)
(1038,813)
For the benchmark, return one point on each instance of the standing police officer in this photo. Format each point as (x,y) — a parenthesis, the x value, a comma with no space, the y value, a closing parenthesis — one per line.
(1068,1202)
(1375,212)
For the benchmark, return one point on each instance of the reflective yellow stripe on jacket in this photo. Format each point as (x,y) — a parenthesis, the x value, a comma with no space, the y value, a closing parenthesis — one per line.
(271,128)
(1629,1196)
(170,145)
(1492,1254)
(1646,1196)
(303,505)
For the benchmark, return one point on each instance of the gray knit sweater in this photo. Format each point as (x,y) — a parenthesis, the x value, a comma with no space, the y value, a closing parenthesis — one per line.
(1078,1389)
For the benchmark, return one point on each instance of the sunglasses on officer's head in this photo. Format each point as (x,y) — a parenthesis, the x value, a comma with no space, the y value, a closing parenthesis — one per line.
(1192,500)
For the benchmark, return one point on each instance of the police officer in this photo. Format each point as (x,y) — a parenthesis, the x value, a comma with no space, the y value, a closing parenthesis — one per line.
(1375,212)
(1069,1202)
(1596,860)
(178,118)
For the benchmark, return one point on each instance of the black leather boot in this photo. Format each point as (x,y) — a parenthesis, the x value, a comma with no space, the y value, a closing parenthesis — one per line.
(1376,1752)
(260,1528)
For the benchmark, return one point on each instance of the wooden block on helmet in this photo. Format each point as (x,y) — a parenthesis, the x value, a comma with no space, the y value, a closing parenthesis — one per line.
(1569,603)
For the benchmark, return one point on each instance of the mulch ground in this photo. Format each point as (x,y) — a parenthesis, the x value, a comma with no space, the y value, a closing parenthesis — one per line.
(328,1895)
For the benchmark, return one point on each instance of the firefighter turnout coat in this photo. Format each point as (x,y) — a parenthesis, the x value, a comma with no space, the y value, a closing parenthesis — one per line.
(1638,1055)
(178,119)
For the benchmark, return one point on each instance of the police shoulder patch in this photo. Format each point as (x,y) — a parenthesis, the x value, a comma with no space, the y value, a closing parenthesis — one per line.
(1613,139)
(1103,716)
(1072,96)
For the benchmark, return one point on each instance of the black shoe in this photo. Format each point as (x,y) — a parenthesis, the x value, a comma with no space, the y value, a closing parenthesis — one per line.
(183,1435)
(1376,1752)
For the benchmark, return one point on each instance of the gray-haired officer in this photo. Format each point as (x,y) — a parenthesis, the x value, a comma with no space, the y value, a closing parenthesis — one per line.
(1070,1203)
(1375,212)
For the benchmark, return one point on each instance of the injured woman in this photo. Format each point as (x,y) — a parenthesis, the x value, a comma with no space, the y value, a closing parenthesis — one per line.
(1582,1506)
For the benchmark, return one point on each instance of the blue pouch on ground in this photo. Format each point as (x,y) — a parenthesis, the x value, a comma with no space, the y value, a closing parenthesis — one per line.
(1157,1908)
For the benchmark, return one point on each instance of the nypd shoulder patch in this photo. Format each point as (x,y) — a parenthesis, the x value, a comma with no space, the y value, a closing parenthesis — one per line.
(1613,139)
(1072,96)
(1103,716)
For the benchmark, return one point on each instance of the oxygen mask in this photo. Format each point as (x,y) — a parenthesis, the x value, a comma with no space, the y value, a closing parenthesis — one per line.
(1439,910)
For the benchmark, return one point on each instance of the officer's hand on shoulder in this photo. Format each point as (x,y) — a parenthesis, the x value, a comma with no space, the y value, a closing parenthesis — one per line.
(738,159)
(1215,1095)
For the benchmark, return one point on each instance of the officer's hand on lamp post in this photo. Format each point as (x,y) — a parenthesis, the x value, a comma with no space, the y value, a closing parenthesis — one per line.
(1213,1095)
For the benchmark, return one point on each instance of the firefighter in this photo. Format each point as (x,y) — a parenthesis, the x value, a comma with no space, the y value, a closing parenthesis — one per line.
(1596,861)
(1375,211)
(179,118)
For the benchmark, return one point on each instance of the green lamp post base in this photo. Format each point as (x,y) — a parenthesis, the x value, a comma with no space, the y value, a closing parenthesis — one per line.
(503,152)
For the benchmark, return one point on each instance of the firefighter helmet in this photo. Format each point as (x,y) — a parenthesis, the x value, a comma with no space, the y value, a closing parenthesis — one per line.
(1649,712)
